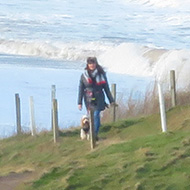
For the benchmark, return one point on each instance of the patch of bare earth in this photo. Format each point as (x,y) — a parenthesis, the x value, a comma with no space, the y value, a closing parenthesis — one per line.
(14,180)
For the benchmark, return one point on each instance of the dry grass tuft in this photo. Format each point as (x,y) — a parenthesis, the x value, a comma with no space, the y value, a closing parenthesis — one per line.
(146,104)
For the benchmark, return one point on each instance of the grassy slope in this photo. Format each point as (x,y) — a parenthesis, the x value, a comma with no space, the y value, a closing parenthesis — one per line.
(133,154)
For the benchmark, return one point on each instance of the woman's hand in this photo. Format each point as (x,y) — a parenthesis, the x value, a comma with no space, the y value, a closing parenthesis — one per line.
(113,104)
(80,107)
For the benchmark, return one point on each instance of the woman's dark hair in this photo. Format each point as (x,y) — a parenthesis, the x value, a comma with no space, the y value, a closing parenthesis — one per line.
(94,60)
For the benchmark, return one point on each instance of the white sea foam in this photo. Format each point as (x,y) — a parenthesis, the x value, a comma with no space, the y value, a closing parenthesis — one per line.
(126,58)
(145,61)
(178,60)
(73,51)
(161,4)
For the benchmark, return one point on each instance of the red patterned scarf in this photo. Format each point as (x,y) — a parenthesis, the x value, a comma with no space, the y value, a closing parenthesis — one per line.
(99,78)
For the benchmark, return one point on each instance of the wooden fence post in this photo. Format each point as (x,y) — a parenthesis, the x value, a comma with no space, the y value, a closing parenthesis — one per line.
(32,118)
(18,114)
(162,108)
(55,120)
(53,96)
(173,88)
(92,135)
(113,91)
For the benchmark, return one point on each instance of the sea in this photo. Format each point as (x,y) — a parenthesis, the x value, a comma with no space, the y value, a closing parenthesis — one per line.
(46,42)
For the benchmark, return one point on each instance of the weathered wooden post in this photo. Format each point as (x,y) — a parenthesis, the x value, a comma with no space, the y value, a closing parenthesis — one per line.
(92,131)
(55,120)
(173,88)
(162,108)
(113,91)
(18,114)
(32,118)
(53,96)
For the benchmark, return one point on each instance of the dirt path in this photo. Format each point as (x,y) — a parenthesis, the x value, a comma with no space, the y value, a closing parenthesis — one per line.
(13,180)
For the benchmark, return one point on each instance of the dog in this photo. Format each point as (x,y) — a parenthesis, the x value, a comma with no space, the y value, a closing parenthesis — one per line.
(85,128)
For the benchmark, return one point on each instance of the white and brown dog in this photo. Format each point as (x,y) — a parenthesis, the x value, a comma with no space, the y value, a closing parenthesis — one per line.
(85,128)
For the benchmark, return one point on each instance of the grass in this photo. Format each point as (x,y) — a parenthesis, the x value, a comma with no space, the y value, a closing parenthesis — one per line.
(132,154)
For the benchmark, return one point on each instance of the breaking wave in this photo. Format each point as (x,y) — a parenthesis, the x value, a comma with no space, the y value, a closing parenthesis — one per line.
(139,60)
(126,58)
(64,51)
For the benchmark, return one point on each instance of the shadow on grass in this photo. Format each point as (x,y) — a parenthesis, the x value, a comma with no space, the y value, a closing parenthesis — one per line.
(119,124)
(122,124)
(69,133)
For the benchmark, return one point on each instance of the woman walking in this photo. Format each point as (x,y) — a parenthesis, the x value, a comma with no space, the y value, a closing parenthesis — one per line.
(93,85)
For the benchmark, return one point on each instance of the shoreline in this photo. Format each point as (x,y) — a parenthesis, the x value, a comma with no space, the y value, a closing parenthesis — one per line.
(37,81)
